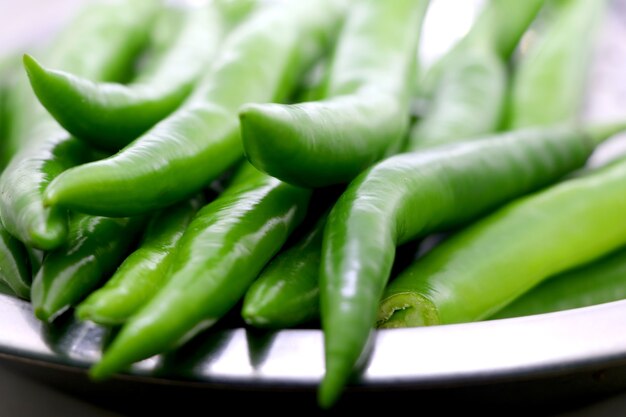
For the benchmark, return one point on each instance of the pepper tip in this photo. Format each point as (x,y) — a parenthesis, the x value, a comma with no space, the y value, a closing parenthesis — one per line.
(31,65)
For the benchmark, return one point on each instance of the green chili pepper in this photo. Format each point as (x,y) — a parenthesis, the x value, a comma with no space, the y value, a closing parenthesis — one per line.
(35,256)
(99,45)
(286,293)
(259,61)
(410,195)
(489,264)
(468,86)
(9,66)
(313,84)
(220,254)
(143,272)
(468,102)
(20,185)
(5,289)
(15,270)
(597,282)
(549,77)
(502,23)
(365,115)
(94,248)
(111,115)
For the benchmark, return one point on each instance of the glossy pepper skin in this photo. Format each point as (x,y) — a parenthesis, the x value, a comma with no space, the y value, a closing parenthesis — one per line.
(456,282)
(502,23)
(549,77)
(143,272)
(220,254)
(467,87)
(15,268)
(21,206)
(95,247)
(365,115)
(259,61)
(466,103)
(99,44)
(286,292)
(110,115)
(600,281)
(9,66)
(410,195)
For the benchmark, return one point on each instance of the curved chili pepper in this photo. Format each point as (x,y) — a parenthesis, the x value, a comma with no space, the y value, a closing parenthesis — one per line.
(143,272)
(259,61)
(35,256)
(511,19)
(453,284)
(9,66)
(467,87)
(409,195)
(549,78)
(222,251)
(15,270)
(502,23)
(365,115)
(600,281)
(21,207)
(99,44)
(286,292)
(111,115)
(467,103)
(94,248)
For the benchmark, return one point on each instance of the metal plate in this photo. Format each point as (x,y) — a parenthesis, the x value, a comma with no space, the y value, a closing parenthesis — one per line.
(544,360)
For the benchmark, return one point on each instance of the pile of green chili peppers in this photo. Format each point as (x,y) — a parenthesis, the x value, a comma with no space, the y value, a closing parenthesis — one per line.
(164,165)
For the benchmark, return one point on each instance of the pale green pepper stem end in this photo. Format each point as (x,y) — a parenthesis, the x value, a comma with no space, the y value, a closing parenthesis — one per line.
(406,309)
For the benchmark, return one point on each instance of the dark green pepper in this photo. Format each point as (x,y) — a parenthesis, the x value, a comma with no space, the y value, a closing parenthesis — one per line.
(222,251)
(411,195)
(466,103)
(457,283)
(99,44)
(15,268)
(260,60)
(95,247)
(365,115)
(111,115)
(286,293)
(143,272)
